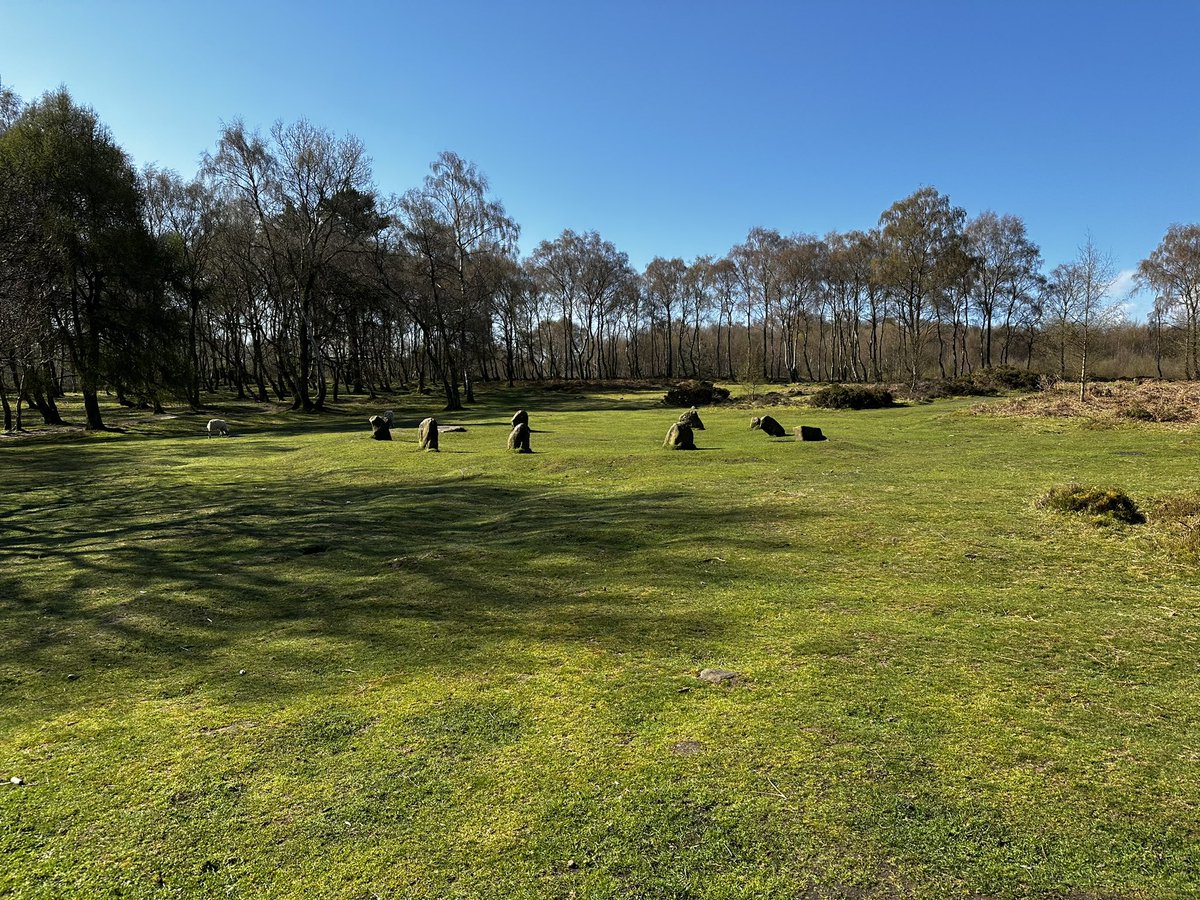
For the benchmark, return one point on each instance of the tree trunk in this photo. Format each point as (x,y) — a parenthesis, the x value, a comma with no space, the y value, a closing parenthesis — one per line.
(8,416)
(91,406)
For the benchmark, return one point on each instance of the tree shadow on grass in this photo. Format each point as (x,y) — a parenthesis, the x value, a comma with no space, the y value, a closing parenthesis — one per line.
(182,576)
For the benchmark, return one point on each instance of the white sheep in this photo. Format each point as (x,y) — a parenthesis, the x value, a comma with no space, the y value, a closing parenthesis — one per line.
(218,426)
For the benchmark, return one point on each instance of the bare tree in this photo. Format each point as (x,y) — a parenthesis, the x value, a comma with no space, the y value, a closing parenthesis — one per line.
(1095,275)
(301,184)
(1008,266)
(922,246)
(1172,272)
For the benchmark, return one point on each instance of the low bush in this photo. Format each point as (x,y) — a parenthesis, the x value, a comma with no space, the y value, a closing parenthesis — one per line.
(1101,504)
(1151,411)
(980,383)
(1138,413)
(924,391)
(695,393)
(842,396)
(1008,378)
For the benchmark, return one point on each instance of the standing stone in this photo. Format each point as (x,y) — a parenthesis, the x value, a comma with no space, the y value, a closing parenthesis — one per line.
(768,425)
(691,419)
(520,418)
(809,433)
(380,428)
(680,438)
(427,434)
(389,417)
(519,439)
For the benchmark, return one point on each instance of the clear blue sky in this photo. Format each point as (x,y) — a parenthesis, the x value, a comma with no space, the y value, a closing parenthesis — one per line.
(672,128)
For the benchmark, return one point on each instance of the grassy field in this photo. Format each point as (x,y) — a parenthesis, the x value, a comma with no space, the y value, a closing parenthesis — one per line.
(301,663)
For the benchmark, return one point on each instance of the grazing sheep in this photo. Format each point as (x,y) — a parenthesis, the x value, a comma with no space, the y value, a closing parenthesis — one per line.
(218,426)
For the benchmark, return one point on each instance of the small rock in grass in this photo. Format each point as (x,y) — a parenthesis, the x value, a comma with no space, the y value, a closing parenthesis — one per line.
(17,780)
(72,677)
(719,676)
(241,671)
(571,864)
(687,748)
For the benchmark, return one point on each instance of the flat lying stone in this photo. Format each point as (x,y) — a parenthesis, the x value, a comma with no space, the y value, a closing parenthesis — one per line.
(719,676)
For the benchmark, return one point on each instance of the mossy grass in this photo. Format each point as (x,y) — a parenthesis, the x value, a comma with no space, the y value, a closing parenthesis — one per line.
(310,664)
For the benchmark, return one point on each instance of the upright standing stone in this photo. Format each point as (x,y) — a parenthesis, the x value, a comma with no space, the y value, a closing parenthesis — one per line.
(809,433)
(380,428)
(680,438)
(520,418)
(427,433)
(519,439)
(691,419)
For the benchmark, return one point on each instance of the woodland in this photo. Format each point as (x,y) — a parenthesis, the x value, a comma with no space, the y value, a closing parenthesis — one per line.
(281,271)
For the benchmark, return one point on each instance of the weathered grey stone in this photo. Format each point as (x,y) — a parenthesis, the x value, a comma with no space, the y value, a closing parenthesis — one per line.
(380,428)
(427,434)
(809,433)
(719,676)
(691,419)
(520,417)
(680,437)
(518,440)
(768,425)
(389,417)
(448,429)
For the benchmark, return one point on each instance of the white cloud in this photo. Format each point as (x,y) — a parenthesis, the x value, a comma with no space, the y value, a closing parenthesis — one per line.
(1124,294)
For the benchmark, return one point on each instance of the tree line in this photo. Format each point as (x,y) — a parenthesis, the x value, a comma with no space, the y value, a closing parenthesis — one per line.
(280,271)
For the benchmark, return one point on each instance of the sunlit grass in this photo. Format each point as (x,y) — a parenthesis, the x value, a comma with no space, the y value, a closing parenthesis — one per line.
(472,673)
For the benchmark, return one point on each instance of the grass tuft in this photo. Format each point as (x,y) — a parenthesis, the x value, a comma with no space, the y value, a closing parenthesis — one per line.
(1102,504)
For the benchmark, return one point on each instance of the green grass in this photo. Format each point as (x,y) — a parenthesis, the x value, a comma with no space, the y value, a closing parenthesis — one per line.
(472,674)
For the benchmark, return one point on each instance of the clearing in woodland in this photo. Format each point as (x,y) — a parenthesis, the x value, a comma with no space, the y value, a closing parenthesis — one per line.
(297,662)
